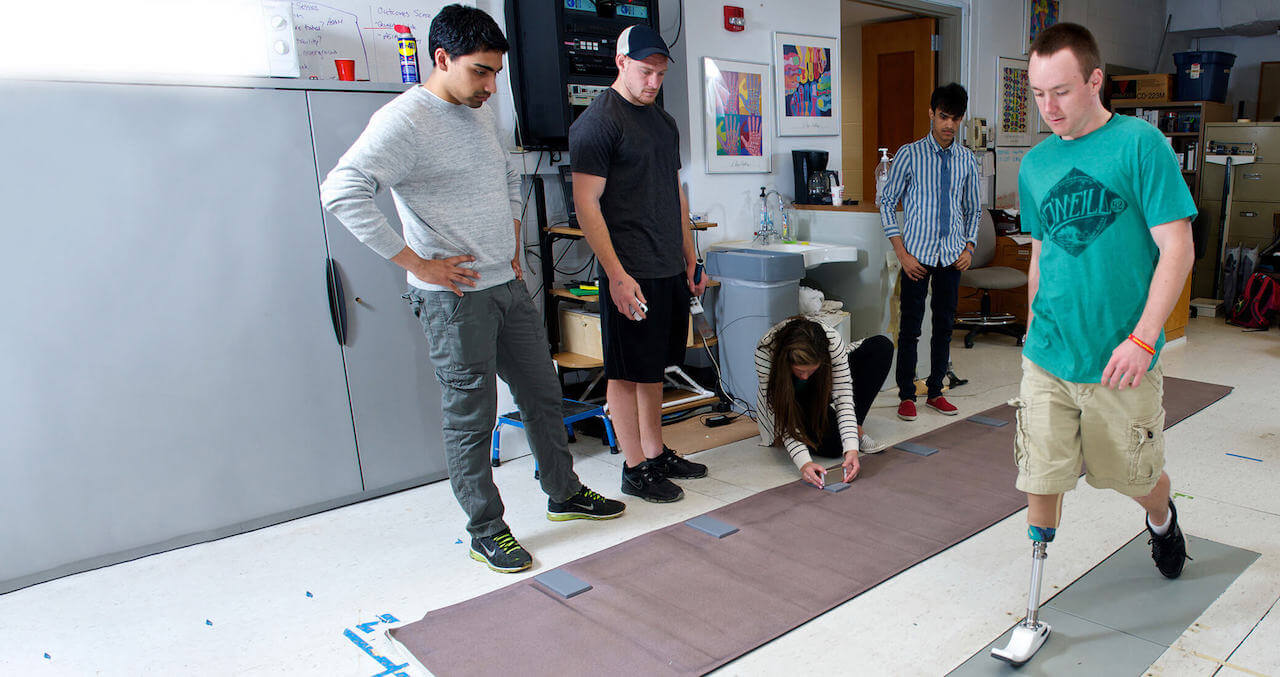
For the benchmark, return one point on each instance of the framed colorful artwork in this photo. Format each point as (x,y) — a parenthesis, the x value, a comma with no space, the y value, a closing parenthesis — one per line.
(738,121)
(806,71)
(1017,120)
(1040,14)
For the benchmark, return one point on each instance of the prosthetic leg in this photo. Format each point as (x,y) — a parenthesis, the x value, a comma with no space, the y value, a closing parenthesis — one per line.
(1029,635)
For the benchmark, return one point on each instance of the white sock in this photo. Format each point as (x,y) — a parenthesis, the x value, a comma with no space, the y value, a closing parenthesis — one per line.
(1162,529)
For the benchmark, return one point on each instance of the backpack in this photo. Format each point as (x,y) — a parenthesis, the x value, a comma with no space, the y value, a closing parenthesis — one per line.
(1257,305)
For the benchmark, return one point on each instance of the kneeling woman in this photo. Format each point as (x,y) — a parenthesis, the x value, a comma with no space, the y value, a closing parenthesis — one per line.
(811,401)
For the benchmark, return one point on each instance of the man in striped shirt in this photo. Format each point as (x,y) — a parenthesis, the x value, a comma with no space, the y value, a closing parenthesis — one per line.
(936,179)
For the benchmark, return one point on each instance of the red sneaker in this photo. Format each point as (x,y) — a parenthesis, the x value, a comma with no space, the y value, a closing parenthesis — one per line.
(942,406)
(907,410)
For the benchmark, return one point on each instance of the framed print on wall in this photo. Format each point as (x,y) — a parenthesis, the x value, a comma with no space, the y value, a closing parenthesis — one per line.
(806,72)
(1040,14)
(736,118)
(1017,120)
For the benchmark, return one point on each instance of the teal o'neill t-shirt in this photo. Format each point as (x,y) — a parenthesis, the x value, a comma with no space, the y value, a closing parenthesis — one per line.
(1091,202)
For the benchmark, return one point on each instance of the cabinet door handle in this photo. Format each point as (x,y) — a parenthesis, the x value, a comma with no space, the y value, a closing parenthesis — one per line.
(337,301)
(1253,176)
(1248,214)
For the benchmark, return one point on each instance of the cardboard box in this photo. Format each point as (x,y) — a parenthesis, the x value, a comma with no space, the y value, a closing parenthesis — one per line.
(1135,90)
(580,333)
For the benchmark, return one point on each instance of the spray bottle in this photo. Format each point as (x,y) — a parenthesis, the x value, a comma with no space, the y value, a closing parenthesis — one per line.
(882,173)
(408,48)
(766,223)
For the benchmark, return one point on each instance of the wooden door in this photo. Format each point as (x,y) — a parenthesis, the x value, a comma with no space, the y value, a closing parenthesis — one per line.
(898,75)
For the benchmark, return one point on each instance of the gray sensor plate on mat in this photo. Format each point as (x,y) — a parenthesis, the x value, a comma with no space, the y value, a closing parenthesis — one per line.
(563,583)
(988,420)
(917,449)
(711,525)
(836,487)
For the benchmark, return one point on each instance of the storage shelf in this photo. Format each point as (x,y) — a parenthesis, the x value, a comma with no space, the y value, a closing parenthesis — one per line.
(577,361)
(595,298)
(570,231)
(1130,103)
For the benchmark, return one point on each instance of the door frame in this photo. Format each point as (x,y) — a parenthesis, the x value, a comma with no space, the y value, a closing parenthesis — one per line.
(952,60)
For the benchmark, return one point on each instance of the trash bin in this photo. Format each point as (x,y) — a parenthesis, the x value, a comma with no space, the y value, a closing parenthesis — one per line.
(1202,76)
(758,289)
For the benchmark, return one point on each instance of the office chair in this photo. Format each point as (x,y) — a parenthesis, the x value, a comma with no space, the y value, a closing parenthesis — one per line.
(985,277)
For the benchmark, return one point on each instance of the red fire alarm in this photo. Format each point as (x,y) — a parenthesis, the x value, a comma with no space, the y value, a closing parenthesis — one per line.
(733,20)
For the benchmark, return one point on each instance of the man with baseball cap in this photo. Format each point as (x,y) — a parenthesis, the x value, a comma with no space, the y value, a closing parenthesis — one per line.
(625,153)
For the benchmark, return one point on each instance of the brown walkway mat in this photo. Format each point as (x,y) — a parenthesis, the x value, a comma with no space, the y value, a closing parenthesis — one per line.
(739,592)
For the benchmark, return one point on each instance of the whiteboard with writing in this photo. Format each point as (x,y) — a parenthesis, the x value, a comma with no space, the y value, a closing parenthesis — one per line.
(349,29)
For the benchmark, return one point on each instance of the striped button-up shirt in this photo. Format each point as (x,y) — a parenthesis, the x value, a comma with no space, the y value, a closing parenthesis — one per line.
(938,188)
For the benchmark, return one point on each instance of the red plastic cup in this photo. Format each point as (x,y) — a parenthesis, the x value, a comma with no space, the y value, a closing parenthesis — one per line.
(346,69)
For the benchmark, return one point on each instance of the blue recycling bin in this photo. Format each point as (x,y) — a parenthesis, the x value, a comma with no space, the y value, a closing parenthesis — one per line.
(758,289)
(1202,76)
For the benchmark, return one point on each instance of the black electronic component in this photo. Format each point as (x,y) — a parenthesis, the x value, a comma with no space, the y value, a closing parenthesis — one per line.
(562,58)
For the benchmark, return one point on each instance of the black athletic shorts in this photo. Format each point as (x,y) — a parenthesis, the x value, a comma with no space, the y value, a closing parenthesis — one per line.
(641,351)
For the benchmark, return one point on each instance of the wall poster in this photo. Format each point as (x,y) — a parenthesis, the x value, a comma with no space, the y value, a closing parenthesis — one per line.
(806,71)
(737,120)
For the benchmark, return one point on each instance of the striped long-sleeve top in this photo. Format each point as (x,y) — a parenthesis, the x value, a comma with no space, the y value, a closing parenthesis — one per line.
(939,190)
(841,395)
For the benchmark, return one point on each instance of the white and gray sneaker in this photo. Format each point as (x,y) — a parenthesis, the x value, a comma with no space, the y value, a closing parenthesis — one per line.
(868,445)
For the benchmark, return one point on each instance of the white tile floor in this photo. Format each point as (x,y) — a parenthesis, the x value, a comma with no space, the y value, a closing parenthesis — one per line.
(398,555)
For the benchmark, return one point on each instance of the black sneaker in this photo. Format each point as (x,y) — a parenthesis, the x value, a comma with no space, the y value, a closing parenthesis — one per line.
(677,467)
(1170,550)
(584,505)
(501,553)
(647,481)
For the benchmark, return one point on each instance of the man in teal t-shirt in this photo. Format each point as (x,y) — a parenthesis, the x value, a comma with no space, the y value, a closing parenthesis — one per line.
(1108,212)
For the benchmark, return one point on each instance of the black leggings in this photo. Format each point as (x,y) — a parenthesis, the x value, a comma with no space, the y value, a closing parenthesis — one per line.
(869,364)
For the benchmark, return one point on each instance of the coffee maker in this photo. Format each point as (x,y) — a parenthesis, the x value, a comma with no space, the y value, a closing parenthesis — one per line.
(813,181)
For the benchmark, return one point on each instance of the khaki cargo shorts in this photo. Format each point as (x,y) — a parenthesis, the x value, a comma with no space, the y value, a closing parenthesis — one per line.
(1117,434)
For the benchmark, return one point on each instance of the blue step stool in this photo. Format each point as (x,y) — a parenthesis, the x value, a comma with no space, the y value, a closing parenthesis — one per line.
(574,411)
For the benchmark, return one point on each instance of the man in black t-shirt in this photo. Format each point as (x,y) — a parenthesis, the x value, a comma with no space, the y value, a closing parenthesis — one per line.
(625,154)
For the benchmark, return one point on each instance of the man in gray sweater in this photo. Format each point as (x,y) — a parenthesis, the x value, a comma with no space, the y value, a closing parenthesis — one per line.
(436,147)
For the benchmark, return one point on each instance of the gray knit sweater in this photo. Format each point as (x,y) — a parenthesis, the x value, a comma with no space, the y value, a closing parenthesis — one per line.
(454,190)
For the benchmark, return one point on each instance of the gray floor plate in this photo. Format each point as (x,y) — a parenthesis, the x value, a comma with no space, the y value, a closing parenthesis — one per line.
(712,526)
(1126,592)
(1075,647)
(1122,615)
(563,583)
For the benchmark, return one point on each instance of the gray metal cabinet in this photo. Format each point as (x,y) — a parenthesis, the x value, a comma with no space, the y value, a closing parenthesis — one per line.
(395,398)
(167,361)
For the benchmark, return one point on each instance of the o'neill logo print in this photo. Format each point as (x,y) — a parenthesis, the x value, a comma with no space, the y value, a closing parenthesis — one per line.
(1077,209)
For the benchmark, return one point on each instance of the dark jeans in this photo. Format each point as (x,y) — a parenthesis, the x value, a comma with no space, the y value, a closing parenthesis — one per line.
(869,363)
(946,287)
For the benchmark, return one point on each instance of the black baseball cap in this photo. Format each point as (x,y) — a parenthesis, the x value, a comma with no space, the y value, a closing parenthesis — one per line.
(640,42)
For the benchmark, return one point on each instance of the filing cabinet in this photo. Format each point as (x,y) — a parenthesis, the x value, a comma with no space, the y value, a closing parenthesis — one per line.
(1255,199)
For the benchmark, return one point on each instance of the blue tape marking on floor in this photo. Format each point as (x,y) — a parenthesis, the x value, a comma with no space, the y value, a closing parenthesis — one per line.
(917,449)
(391,667)
(1247,458)
(712,526)
(48,656)
(367,628)
(836,487)
(309,594)
(458,542)
(388,618)
(208,622)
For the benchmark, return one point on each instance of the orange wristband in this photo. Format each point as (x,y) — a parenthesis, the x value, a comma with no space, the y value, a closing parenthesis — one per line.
(1142,344)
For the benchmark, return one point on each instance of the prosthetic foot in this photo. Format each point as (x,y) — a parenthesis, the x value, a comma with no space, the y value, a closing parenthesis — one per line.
(1029,635)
